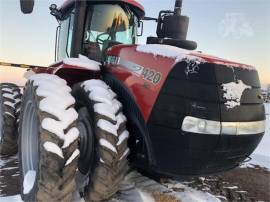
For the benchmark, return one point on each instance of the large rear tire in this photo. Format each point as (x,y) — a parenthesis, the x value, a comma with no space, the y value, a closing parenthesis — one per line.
(48,140)
(103,139)
(10,100)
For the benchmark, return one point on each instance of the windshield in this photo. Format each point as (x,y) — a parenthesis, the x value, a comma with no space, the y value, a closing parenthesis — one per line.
(107,22)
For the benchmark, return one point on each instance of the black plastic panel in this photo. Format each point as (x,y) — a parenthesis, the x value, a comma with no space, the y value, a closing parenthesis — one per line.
(191,90)
(205,73)
(200,94)
(245,112)
(226,74)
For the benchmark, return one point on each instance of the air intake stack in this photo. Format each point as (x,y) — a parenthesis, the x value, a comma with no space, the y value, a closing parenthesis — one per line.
(171,24)
(172,28)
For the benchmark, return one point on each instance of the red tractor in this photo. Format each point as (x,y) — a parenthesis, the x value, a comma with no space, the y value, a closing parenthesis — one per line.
(108,104)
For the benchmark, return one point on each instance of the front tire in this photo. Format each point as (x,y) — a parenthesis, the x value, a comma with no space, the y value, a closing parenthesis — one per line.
(48,140)
(103,139)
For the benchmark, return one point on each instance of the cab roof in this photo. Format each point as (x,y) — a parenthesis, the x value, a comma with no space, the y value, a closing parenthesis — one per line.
(134,5)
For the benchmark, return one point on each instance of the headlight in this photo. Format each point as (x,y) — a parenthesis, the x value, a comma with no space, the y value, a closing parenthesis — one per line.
(203,126)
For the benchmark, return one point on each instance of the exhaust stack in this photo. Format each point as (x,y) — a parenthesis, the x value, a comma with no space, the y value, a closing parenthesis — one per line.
(178,7)
(27,6)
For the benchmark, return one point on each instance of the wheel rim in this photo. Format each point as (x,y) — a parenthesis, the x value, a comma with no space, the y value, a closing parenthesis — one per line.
(86,143)
(30,139)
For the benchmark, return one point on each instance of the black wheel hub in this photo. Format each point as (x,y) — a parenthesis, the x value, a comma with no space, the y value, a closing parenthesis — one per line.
(86,143)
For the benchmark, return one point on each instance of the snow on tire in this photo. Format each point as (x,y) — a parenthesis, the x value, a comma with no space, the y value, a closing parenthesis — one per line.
(110,150)
(10,100)
(48,140)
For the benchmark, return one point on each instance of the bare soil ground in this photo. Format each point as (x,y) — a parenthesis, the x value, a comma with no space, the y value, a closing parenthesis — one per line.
(241,184)
(255,181)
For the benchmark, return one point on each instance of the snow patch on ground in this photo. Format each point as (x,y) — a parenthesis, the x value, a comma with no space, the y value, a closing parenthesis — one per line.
(84,62)
(233,92)
(189,194)
(29,181)
(185,193)
(261,160)
(146,197)
(261,156)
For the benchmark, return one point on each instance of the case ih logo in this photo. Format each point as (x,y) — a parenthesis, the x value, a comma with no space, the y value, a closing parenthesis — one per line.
(146,73)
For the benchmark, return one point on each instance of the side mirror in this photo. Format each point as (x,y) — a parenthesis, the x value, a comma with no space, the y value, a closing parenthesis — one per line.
(27,6)
(54,11)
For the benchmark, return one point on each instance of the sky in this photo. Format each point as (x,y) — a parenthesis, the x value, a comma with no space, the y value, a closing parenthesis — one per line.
(237,30)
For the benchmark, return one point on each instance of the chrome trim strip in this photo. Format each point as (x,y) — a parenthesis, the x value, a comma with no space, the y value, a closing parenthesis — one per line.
(203,126)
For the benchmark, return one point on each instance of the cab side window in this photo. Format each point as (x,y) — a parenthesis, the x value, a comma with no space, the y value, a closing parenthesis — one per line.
(65,38)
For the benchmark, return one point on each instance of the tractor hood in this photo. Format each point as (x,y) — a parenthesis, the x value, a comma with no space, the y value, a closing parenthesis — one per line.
(225,88)
(205,111)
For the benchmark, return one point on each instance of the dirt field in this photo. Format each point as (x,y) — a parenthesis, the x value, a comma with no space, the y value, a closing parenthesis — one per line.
(256,181)
(241,184)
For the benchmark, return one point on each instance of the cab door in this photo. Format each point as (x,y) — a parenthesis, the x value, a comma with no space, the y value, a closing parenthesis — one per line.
(64,38)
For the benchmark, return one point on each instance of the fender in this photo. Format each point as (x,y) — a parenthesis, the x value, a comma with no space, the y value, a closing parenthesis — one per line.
(72,74)
(136,123)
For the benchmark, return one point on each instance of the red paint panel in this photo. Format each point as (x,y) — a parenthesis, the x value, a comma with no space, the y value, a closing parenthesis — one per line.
(144,92)
(72,74)
(131,2)
(135,3)
(40,70)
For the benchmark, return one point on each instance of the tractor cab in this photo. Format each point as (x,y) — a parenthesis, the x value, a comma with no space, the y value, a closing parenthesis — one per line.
(91,27)
(107,25)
